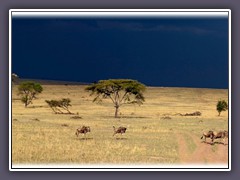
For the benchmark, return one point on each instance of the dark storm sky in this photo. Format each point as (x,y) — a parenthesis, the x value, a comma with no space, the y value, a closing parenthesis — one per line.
(171,52)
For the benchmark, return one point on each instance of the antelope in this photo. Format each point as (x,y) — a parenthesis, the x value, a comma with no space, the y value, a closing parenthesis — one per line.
(119,130)
(220,135)
(83,130)
(208,134)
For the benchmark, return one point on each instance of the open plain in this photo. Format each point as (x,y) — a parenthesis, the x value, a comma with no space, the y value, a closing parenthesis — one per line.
(156,132)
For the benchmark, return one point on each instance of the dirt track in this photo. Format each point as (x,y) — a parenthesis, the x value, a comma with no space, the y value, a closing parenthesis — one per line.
(204,153)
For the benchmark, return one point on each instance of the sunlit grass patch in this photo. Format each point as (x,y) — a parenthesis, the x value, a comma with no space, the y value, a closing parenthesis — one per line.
(191,146)
(40,136)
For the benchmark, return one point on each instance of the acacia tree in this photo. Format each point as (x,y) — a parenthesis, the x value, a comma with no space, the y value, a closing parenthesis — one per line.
(119,91)
(58,105)
(221,106)
(28,91)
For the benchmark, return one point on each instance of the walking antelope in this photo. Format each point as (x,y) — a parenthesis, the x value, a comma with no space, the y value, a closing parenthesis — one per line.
(208,134)
(119,130)
(83,130)
(220,135)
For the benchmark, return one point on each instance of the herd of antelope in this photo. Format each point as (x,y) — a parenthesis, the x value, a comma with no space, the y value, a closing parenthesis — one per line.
(121,130)
(215,135)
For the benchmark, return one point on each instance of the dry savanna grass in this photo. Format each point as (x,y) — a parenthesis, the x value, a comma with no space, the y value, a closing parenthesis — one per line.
(40,136)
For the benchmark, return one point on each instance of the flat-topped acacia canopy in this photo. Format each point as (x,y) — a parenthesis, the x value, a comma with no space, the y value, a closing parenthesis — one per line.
(120,91)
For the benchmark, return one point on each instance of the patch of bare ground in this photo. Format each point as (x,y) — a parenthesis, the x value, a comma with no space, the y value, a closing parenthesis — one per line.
(204,153)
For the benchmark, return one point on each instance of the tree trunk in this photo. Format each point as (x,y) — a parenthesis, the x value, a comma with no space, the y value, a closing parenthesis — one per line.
(219,113)
(116,111)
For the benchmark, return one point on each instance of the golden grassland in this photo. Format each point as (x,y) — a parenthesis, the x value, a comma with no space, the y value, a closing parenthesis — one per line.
(40,136)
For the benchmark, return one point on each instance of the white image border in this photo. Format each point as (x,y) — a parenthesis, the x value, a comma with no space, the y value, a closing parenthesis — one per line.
(117,13)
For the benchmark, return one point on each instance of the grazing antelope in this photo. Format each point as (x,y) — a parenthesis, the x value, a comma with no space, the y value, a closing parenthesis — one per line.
(119,130)
(83,130)
(208,134)
(220,135)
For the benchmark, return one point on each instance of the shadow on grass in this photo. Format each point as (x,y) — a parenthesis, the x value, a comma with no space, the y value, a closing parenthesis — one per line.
(212,143)
(34,107)
(121,138)
(84,139)
(126,117)
(220,143)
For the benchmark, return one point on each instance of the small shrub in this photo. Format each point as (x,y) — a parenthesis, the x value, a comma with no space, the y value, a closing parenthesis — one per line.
(221,106)
(60,106)
(196,113)
(76,117)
